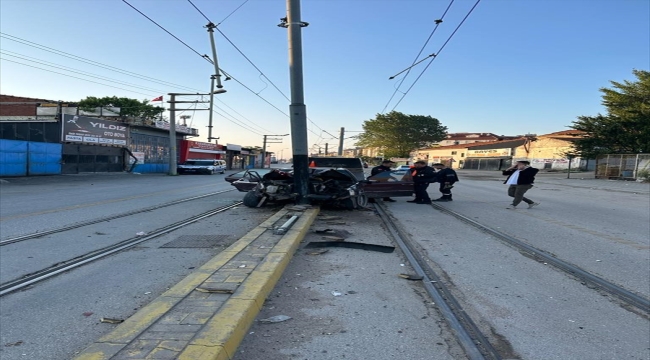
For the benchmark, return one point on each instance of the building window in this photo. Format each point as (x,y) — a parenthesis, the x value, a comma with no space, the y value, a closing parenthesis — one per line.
(454,152)
(462,154)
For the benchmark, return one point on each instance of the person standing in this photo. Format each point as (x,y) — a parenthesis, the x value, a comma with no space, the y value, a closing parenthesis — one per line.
(422,176)
(446,177)
(521,177)
(385,166)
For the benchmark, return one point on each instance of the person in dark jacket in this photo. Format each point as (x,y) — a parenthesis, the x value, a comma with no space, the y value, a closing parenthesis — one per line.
(385,166)
(521,177)
(446,177)
(422,176)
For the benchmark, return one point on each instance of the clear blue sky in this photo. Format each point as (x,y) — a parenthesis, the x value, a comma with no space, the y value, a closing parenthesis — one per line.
(514,67)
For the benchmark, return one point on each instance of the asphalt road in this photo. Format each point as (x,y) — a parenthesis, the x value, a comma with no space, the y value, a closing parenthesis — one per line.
(55,318)
(529,309)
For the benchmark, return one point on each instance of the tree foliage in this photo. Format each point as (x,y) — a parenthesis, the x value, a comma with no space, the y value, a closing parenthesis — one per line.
(128,107)
(398,134)
(626,126)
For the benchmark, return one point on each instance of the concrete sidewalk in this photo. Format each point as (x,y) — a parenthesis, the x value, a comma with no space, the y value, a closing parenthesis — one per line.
(207,314)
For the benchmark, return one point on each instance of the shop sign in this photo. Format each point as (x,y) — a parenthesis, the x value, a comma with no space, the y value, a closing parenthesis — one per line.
(233,147)
(83,129)
(180,128)
(489,153)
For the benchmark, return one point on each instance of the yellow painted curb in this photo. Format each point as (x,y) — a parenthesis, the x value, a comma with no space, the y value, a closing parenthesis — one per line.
(111,343)
(227,328)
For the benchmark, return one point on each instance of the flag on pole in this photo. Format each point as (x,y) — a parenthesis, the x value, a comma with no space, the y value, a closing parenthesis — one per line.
(159,98)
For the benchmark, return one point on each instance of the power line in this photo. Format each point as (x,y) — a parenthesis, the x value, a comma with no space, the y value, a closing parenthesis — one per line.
(437,53)
(61,67)
(55,72)
(438,22)
(167,31)
(88,61)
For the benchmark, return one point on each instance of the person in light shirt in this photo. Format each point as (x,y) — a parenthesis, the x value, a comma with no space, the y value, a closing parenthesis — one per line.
(521,177)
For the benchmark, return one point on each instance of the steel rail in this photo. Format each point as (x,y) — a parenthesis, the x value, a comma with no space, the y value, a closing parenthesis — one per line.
(41,275)
(103,219)
(622,294)
(475,344)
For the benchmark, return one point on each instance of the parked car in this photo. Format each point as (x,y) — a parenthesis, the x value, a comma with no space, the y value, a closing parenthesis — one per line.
(201,166)
(388,184)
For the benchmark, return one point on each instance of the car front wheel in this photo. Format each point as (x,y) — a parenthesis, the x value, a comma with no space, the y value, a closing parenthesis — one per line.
(251,199)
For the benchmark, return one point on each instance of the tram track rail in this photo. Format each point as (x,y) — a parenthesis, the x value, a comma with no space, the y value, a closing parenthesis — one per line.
(475,344)
(35,277)
(16,239)
(627,297)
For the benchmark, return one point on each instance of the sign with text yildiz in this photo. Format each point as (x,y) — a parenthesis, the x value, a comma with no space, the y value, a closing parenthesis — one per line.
(88,130)
(488,153)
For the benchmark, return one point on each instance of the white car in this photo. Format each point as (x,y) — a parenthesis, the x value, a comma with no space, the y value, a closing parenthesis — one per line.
(202,166)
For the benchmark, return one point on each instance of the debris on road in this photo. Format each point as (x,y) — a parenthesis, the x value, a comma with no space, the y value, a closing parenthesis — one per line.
(317,252)
(333,238)
(411,277)
(111,320)
(141,233)
(225,288)
(88,313)
(275,319)
(17,343)
(351,245)
(336,293)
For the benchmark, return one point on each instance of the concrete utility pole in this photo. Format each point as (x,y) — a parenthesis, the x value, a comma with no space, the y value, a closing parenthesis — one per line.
(341,136)
(172,127)
(297,109)
(326,148)
(279,137)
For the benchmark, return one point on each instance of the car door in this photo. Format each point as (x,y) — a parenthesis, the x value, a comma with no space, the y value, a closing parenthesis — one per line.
(387,184)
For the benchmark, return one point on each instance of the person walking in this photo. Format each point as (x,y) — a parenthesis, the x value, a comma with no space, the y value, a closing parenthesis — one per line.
(446,177)
(385,166)
(521,177)
(422,176)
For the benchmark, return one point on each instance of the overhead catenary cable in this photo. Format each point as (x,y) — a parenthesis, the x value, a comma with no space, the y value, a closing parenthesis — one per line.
(234,11)
(168,32)
(253,64)
(437,53)
(55,72)
(438,22)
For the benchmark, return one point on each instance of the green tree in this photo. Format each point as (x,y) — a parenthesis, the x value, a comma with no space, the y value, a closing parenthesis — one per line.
(626,126)
(128,107)
(398,134)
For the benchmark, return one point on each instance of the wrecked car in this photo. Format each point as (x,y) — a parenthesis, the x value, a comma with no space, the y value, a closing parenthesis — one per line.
(337,188)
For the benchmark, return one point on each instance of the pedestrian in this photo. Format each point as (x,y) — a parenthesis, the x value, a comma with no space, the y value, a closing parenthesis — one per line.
(422,176)
(521,177)
(385,166)
(446,177)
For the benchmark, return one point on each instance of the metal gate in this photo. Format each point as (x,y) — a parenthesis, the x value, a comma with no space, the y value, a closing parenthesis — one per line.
(44,158)
(88,158)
